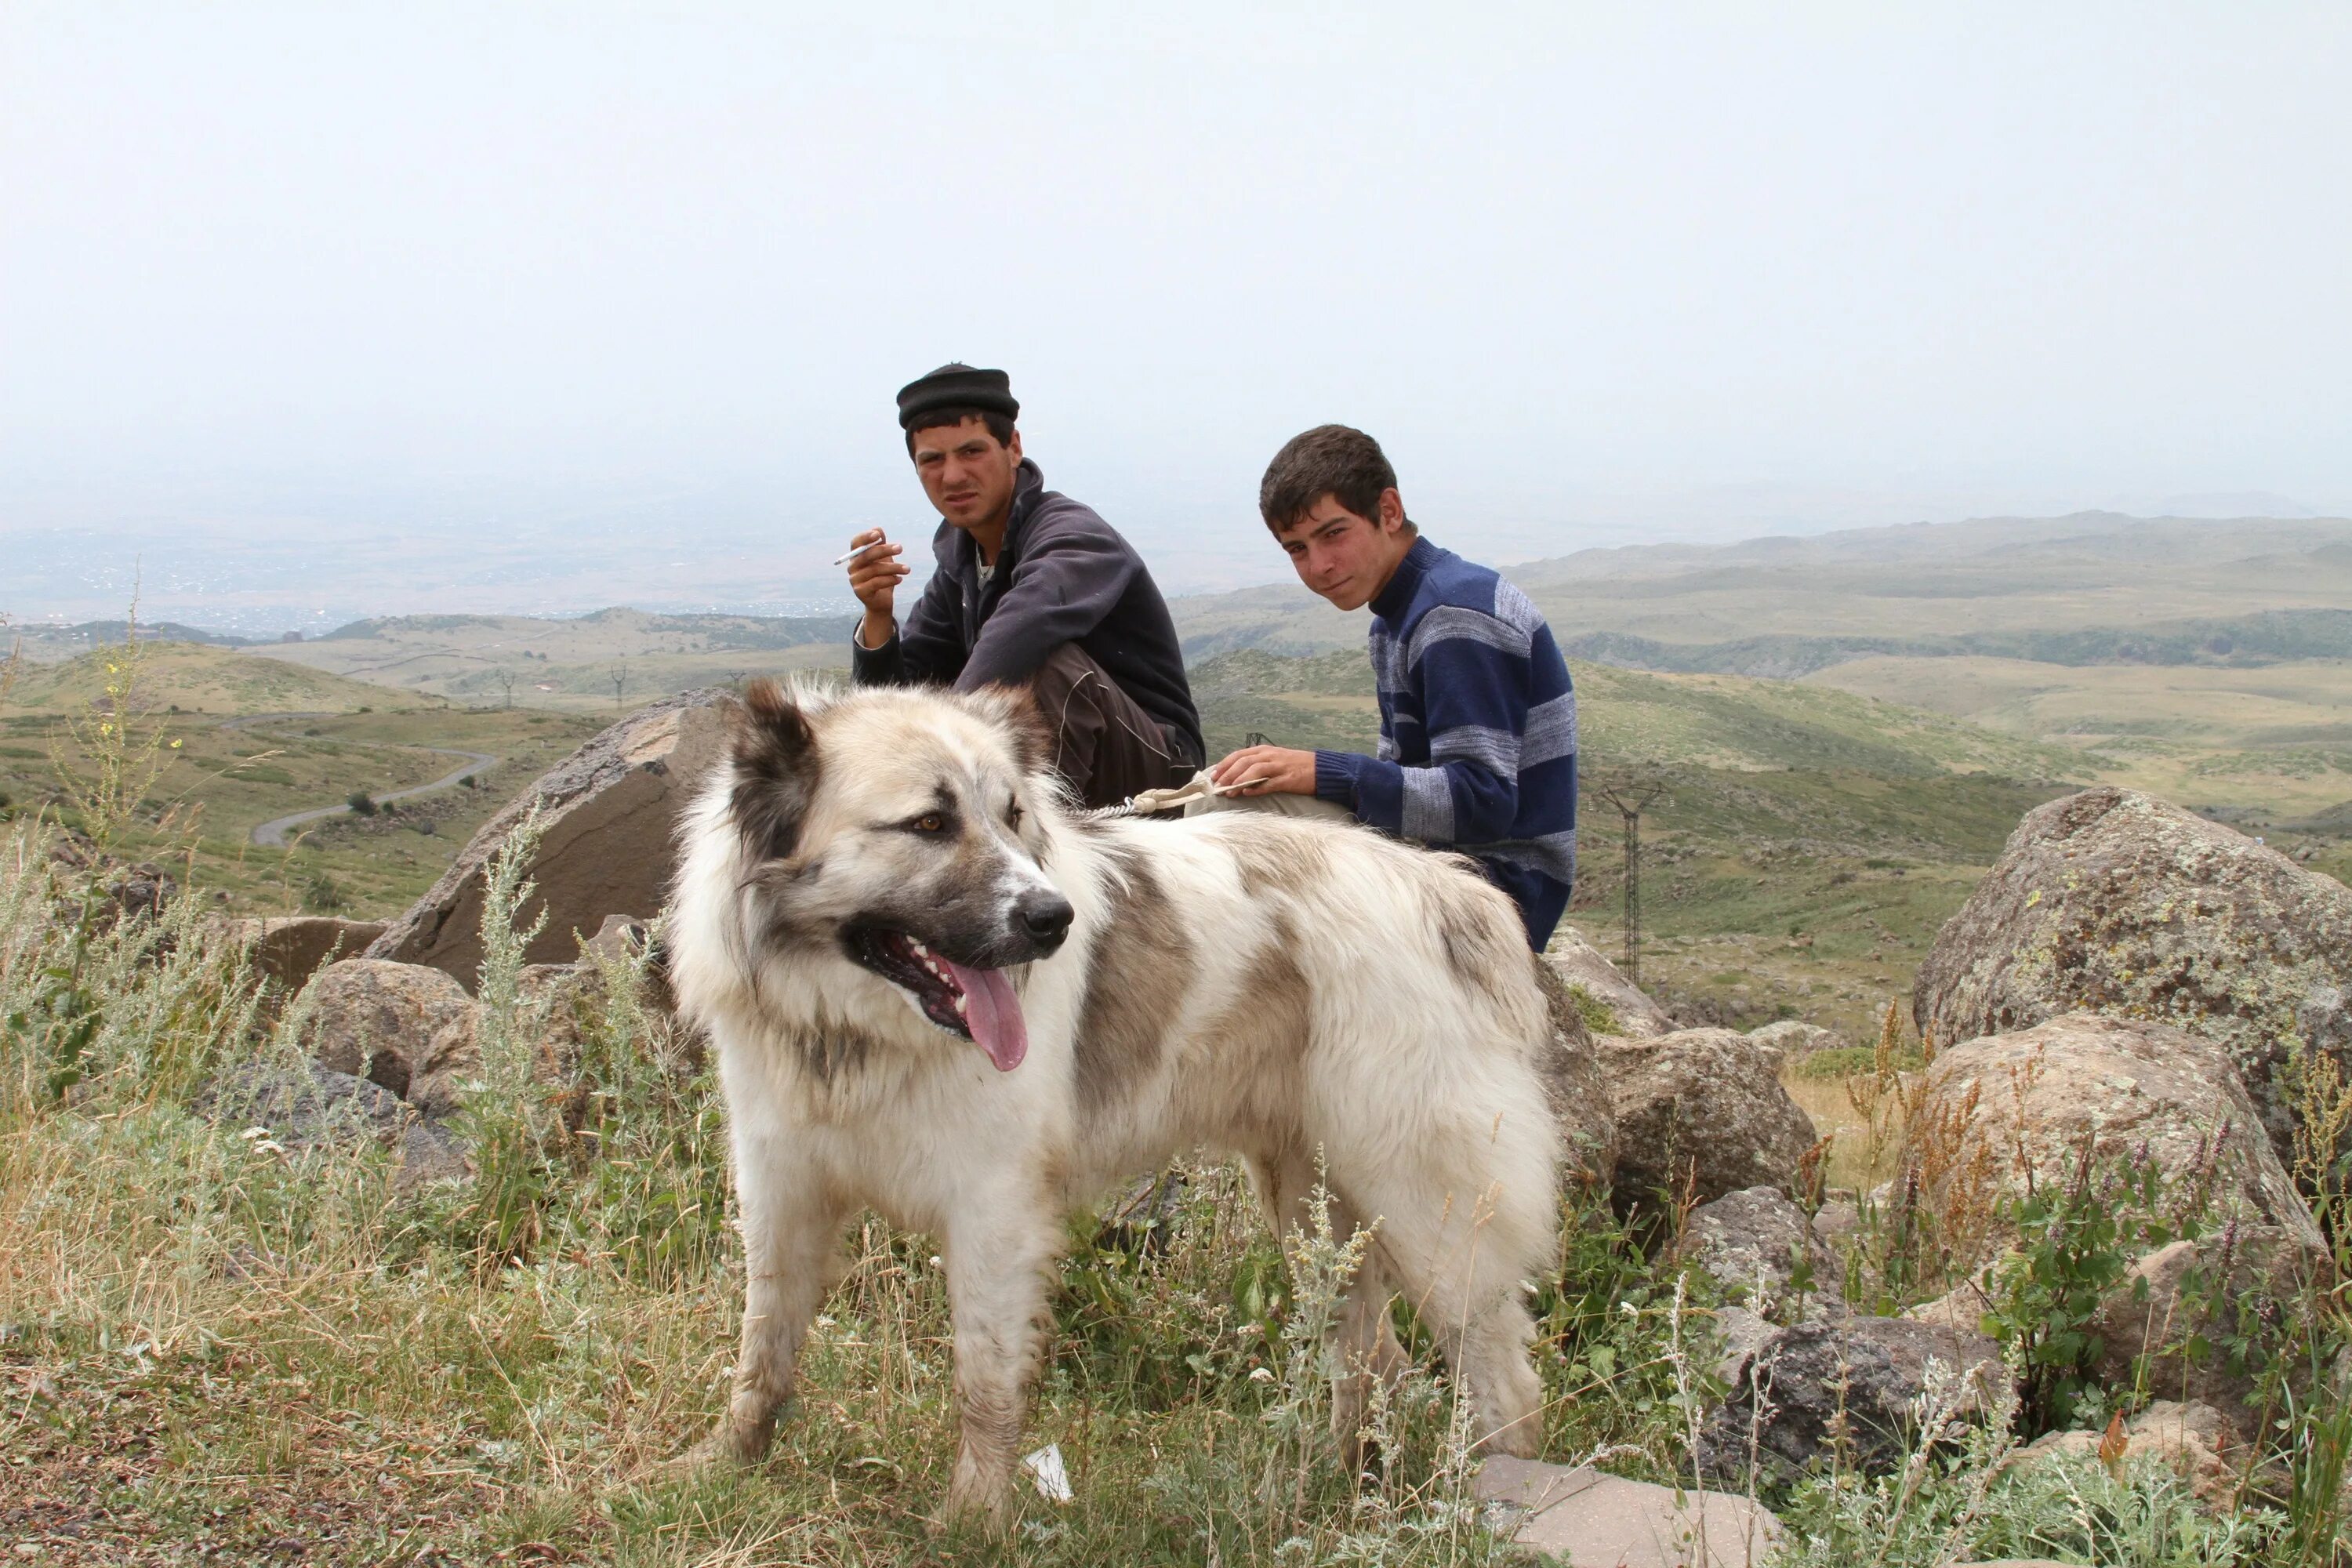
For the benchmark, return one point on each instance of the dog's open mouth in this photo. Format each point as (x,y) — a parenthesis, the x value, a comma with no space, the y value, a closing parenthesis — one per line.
(976,1004)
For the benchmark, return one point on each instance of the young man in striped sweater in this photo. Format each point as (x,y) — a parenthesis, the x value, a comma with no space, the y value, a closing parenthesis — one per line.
(1477,750)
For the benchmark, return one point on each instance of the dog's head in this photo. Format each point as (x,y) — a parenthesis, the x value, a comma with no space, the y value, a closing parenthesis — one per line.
(901,829)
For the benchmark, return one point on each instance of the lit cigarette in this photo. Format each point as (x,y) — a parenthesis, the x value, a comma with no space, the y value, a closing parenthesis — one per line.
(845,559)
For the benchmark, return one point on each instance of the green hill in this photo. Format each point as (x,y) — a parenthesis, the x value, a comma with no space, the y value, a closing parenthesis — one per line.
(195,678)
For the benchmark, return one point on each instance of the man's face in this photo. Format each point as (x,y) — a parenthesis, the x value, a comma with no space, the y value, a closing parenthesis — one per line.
(1343,557)
(966,471)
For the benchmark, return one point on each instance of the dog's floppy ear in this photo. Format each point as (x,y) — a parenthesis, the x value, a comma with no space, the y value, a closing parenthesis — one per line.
(1015,709)
(775,768)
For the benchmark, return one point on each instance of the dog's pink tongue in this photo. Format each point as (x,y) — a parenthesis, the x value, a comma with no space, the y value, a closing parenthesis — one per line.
(994,1015)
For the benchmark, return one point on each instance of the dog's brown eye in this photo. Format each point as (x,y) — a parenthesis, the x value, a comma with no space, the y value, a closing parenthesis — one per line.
(1012,814)
(933,823)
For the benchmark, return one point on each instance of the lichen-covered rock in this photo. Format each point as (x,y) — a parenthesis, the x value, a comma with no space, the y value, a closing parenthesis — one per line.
(1577,1093)
(1700,1112)
(313,1107)
(2109,901)
(606,813)
(1997,1114)
(374,1019)
(1760,1248)
(1862,1376)
(1580,964)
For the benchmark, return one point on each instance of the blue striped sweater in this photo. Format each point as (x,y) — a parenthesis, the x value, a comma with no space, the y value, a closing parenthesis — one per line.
(1477,732)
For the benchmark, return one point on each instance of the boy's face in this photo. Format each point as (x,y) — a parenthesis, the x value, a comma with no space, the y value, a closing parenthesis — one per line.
(966,471)
(1345,558)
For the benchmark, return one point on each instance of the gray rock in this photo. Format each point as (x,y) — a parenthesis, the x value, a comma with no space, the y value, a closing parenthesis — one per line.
(374,1019)
(1700,1112)
(1752,1243)
(1998,1114)
(606,811)
(1573,1084)
(316,1107)
(1861,1373)
(1587,1519)
(1582,965)
(2109,901)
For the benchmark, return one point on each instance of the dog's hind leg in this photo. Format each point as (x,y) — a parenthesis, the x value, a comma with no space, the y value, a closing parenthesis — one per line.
(1000,1256)
(1461,1261)
(792,1236)
(1367,1339)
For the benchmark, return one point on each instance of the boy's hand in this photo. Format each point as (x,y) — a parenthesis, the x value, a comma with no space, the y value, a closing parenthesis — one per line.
(873,577)
(1266,770)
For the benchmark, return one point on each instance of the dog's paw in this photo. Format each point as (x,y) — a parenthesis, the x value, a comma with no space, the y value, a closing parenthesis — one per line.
(730,1444)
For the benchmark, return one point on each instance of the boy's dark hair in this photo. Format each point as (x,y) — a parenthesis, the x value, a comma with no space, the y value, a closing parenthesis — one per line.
(999,424)
(1329,460)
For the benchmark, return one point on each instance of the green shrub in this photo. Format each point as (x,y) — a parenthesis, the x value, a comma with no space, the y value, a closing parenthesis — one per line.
(362,803)
(1854,1061)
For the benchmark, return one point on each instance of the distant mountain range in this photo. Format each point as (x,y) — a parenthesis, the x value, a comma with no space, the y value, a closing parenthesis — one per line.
(2089,589)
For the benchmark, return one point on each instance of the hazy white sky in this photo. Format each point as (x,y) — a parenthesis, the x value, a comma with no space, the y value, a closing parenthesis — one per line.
(1579,268)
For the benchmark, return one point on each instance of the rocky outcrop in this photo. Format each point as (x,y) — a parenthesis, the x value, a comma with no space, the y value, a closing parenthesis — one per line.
(373,1018)
(1854,1382)
(1998,1114)
(606,814)
(1573,1084)
(287,949)
(312,1106)
(1700,1112)
(2109,901)
(1580,964)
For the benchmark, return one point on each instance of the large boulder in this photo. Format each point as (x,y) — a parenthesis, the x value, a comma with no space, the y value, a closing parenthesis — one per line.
(1844,1382)
(1580,964)
(606,814)
(373,1018)
(1573,1084)
(1699,1114)
(287,950)
(2109,901)
(1999,1115)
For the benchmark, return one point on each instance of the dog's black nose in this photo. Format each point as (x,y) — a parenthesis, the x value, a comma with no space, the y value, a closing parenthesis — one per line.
(1045,919)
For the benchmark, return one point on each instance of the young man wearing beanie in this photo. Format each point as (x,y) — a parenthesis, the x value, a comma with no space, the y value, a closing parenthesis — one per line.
(1477,749)
(1031,588)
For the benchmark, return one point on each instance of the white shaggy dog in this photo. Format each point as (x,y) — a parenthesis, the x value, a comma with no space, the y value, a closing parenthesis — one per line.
(935,992)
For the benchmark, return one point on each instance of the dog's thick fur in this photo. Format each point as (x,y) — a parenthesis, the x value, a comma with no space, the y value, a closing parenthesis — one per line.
(1273,987)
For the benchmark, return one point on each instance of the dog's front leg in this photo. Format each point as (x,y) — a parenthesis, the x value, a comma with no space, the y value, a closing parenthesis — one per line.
(791,1233)
(999,1255)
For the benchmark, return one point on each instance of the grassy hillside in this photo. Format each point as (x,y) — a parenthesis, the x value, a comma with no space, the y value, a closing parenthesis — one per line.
(195,678)
(612,660)
(2024,586)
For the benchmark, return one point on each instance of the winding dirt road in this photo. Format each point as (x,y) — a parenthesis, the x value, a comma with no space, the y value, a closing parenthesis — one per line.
(271,835)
